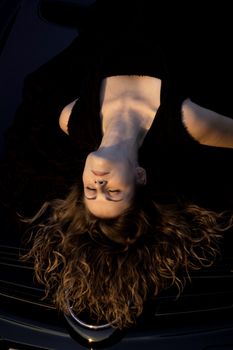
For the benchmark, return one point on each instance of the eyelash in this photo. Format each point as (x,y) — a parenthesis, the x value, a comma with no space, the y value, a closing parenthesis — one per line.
(90,189)
(110,191)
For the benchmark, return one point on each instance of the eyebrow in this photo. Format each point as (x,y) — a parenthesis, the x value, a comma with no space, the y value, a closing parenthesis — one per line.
(108,199)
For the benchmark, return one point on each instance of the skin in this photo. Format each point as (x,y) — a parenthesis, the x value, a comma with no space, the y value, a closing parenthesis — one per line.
(111,173)
(128,107)
(109,191)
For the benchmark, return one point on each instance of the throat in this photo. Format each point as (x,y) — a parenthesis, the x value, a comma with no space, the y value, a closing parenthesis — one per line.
(126,125)
(130,102)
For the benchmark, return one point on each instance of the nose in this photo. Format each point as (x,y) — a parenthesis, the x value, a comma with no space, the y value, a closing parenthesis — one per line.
(100,182)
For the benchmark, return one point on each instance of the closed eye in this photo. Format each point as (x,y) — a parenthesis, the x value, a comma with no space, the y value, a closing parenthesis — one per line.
(111,194)
(114,194)
(107,198)
(90,192)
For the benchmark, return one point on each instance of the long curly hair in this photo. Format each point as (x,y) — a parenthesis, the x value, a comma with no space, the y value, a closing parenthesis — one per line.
(109,267)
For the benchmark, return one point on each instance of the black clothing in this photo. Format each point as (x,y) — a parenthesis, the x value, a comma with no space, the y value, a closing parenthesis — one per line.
(41,162)
(179,165)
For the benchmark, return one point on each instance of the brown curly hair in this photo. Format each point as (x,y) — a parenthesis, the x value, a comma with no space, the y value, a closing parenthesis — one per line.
(109,267)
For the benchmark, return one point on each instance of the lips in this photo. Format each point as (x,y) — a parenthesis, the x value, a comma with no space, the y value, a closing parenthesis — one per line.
(100,173)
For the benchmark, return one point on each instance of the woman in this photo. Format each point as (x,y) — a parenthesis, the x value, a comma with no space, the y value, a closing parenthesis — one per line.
(135,225)
(128,107)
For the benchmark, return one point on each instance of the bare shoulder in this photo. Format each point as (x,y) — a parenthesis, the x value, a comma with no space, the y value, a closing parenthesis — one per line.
(65,116)
(207,126)
(194,118)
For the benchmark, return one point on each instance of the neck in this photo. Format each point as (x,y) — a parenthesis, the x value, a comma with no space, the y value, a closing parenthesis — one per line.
(122,134)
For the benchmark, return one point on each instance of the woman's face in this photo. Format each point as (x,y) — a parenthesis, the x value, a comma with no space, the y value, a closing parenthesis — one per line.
(109,185)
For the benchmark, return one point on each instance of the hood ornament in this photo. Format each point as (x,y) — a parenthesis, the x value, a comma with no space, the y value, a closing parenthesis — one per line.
(90,332)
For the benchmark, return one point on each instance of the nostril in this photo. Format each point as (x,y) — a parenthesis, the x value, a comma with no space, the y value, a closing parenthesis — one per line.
(100,182)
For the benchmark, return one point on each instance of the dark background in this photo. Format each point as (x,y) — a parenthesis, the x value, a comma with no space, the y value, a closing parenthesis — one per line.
(26,42)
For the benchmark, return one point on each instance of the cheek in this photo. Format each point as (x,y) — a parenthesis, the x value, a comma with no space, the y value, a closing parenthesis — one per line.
(130,175)
(129,180)
(85,176)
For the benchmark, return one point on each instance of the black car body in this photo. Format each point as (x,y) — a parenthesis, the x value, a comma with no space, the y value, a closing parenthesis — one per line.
(200,319)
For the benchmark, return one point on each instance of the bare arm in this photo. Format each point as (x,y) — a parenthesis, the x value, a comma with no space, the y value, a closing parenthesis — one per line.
(207,126)
(65,115)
